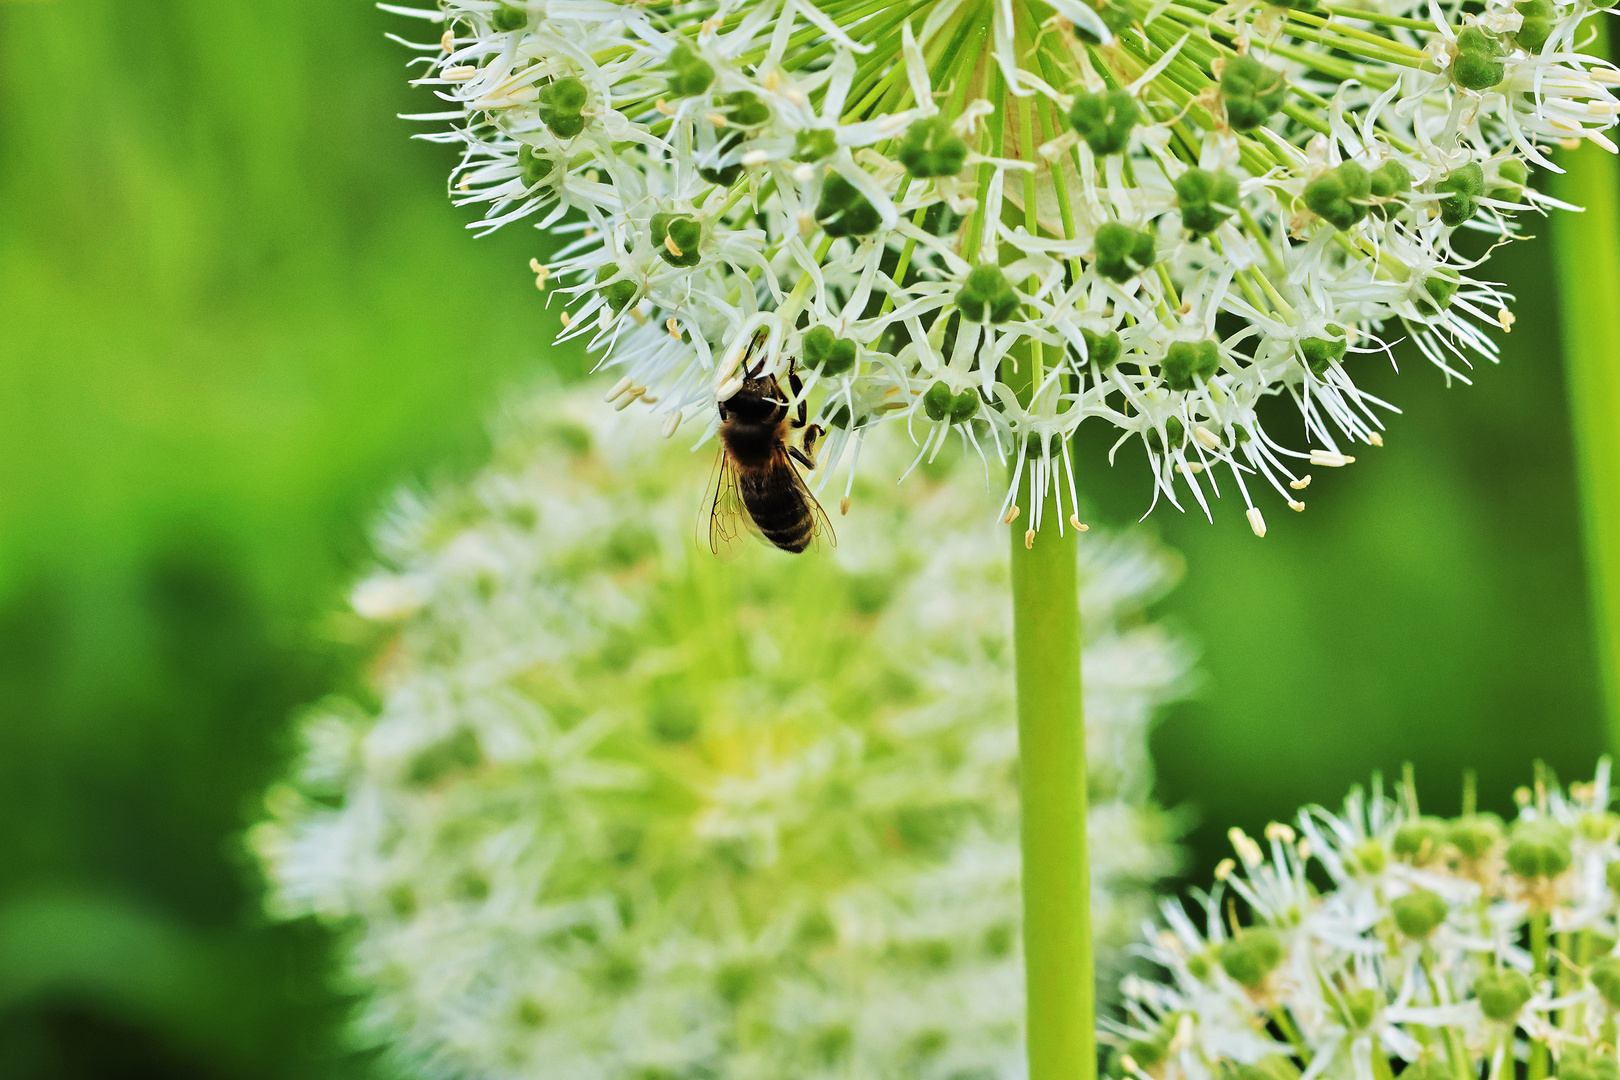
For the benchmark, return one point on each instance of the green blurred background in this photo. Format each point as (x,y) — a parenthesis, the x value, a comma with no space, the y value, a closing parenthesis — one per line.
(236,310)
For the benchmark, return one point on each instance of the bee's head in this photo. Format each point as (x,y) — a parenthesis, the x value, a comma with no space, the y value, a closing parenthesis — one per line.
(758,399)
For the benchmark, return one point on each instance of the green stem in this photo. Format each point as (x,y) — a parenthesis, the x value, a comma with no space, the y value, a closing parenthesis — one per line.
(1586,253)
(1058,972)
(1538,953)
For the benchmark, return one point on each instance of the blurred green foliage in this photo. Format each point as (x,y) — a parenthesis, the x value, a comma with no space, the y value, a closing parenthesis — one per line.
(237,310)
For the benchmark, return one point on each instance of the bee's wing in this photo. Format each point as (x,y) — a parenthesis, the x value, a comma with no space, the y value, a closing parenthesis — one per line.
(726,519)
(822,525)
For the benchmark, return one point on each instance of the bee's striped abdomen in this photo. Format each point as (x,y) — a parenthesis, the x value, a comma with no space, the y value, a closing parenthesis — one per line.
(776,501)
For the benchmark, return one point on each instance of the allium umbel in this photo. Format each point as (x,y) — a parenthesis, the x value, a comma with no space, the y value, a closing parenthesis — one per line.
(624,813)
(1379,940)
(1000,218)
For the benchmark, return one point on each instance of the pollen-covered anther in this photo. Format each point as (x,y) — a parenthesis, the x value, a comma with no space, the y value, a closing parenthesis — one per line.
(619,388)
(1207,438)
(728,389)
(460,73)
(566,319)
(1029,539)
(674,327)
(1505,319)
(1224,868)
(448,41)
(1276,830)
(1011,515)
(1305,849)
(755,158)
(1244,845)
(807,222)
(1129,1063)
(843,506)
(664,107)
(1302,483)
(672,422)
(672,247)
(1330,459)
(1375,438)
(1192,468)
(1295,505)
(717,120)
(1257,521)
(1080,526)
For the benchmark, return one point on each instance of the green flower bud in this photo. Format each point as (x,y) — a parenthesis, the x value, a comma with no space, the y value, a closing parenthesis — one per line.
(1359,1008)
(1419,913)
(1475,835)
(1435,292)
(619,294)
(1036,447)
(690,75)
(1250,958)
(1478,64)
(1370,857)
(1579,1063)
(1605,978)
(535,167)
(1197,964)
(677,238)
(1597,826)
(987,295)
(1120,252)
(1465,186)
(940,404)
(1176,432)
(1105,120)
(1187,362)
(1538,18)
(1115,14)
(930,148)
(1322,352)
(1206,199)
(1389,184)
(1101,349)
(1339,196)
(1511,177)
(1252,92)
(1539,849)
(827,353)
(844,211)
(744,109)
(561,104)
(1429,1066)
(814,144)
(1418,841)
(509,17)
(1502,994)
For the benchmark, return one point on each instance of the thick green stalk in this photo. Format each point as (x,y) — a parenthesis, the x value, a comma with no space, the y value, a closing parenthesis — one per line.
(1052,769)
(1586,251)
(1058,971)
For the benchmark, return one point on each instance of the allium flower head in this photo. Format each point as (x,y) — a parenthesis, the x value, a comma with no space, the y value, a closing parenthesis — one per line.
(1002,218)
(624,812)
(1454,948)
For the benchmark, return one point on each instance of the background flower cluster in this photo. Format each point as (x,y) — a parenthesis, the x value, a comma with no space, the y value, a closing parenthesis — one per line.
(626,811)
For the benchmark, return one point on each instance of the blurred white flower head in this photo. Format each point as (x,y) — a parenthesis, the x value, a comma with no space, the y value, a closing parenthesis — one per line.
(1380,940)
(625,812)
(1161,213)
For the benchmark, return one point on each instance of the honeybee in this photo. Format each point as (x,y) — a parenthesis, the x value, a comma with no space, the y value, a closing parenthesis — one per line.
(757,483)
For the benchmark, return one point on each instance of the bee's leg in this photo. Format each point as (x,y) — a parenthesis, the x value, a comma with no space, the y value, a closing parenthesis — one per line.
(807,456)
(796,384)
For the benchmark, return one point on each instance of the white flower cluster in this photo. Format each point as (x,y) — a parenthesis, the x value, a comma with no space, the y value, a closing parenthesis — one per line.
(1003,218)
(1382,941)
(624,812)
